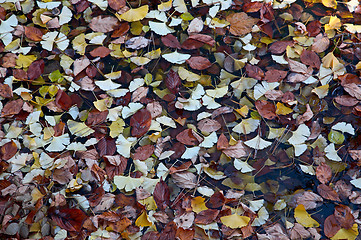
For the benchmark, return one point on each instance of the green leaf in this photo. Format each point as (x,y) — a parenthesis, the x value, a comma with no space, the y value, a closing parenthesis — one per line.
(56,76)
(336,137)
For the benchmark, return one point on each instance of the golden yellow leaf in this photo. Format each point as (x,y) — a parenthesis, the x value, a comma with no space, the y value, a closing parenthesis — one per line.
(282,109)
(135,14)
(198,204)
(330,3)
(349,234)
(334,23)
(142,220)
(165,6)
(321,91)
(303,218)
(235,221)
(24,61)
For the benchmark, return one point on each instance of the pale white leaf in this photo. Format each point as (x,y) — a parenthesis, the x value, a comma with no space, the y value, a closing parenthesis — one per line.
(258,143)
(176,58)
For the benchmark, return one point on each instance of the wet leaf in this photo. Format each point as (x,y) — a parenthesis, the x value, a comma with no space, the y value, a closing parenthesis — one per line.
(140,122)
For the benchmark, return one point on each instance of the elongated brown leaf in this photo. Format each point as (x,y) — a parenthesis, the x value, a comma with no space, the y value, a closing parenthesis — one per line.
(199,63)
(12,108)
(161,195)
(106,146)
(140,122)
(173,81)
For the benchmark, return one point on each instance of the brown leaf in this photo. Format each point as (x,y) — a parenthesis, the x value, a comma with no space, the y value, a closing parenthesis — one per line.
(106,146)
(306,116)
(254,72)
(344,216)
(275,75)
(297,67)
(299,232)
(155,109)
(328,192)
(33,33)
(346,100)
(12,108)
(183,234)
(8,150)
(80,64)
(96,196)
(222,142)
(171,41)
(5,91)
(199,63)
(35,70)
(206,216)
(266,109)
(313,28)
(140,122)
(183,167)
(191,44)
(204,39)
(187,137)
(63,100)
(279,47)
(310,58)
(320,43)
(103,24)
(96,117)
(217,200)
(185,179)
(209,125)
(331,226)
(236,151)
(143,153)
(100,52)
(323,173)
(161,195)
(116,4)
(240,23)
(173,81)
(69,219)
(308,199)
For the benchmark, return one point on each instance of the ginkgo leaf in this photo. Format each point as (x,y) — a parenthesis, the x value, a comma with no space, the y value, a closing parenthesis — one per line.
(308,169)
(244,167)
(166,121)
(209,141)
(258,143)
(127,183)
(59,143)
(79,44)
(298,139)
(247,126)
(180,6)
(8,24)
(190,152)
(330,3)
(107,85)
(344,128)
(331,153)
(235,221)
(281,109)
(218,92)
(57,38)
(65,15)
(124,144)
(48,5)
(304,218)
(19,161)
(261,89)
(189,76)
(79,128)
(102,4)
(262,217)
(321,91)
(131,109)
(160,28)
(356,182)
(176,58)
(135,14)
(165,6)
(349,234)
(140,61)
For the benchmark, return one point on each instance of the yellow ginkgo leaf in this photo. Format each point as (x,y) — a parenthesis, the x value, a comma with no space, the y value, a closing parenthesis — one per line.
(334,23)
(165,6)
(330,61)
(349,234)
(303,218)
(330,3)
(24,61)
(198,204)
(79,128)
(235,221)
(282,109)
(135,14)
(321,91)
(142,220)
(140,61)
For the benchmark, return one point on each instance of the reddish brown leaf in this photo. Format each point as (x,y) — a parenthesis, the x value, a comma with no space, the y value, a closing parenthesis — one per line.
(275,75)
(313,28)
(103,24)
(279,47)
(254,72)
(209,125)
(33,33)
(240,23)
(161,195)
(199,63)
(346,100)
(186,137)
(266,109)
(143,153)
(96,117)
(5,91)
(185,166)
(173,81)
(190,44)
(206,217)
(310,58)
(69,219)
(122,29)
(344,216)
(116,4)
(63,100)
(115,165)
(96,196)
(35,70)
(222,142)
(8,150)
(12,108)
(100,52)
(182,234)
(236,151)
(171,41)
(106,146)
(140,122)
(204,39)
(323,173)
(217,200)
(328,192)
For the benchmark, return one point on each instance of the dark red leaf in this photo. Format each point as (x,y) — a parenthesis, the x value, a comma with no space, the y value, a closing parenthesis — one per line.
(69,219)
(275,75)
(106,146)
(173,81)
(344,216)
(191,44)
(328,192)
(96,117)
(8,150)
(310,58)
(206,217)
(252,7)
(100,52)
(204,39)
(140,122)
(171,41)
(331,226)
(161,195)
(266,109)
(254,72)
(5,91)
(186,137)
(116,4)
(217,200)
(143,153)
(96,196)
(279,47)
(12,108)
(314,28)
(199,63)
(35,70)
(63,100)
(115,165)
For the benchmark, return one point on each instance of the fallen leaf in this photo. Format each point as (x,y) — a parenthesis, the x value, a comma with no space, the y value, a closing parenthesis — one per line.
(103,24)
(235,221)
(140,122)
(304,218)
(12,108)
(240,23)
(199,63)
